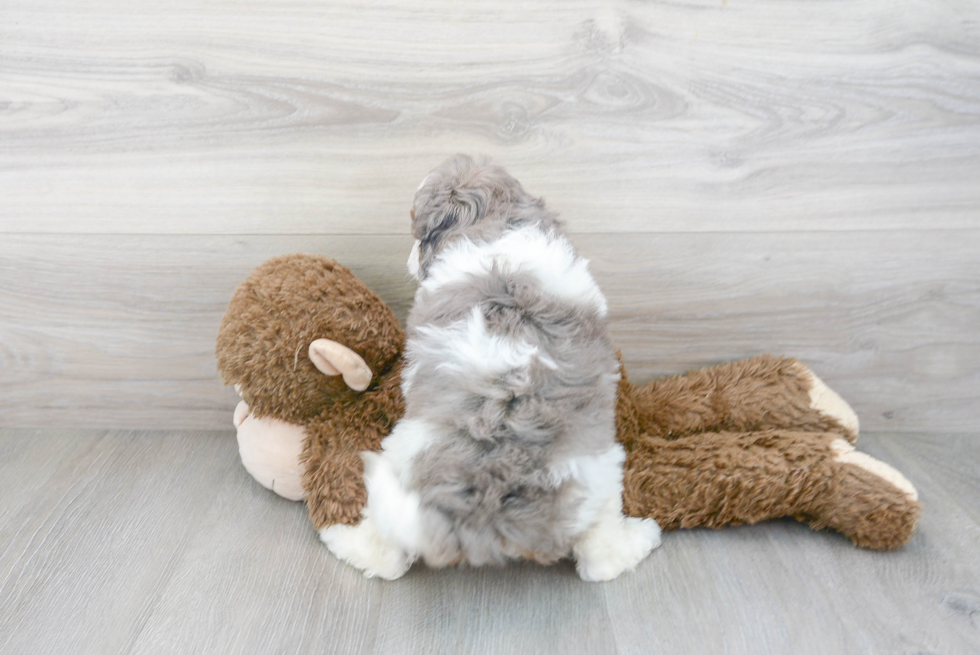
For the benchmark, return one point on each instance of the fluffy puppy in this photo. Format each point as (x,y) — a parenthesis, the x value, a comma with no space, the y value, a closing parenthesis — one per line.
(507,449)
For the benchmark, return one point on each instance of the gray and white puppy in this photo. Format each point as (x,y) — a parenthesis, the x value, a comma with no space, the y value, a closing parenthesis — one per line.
(507,449)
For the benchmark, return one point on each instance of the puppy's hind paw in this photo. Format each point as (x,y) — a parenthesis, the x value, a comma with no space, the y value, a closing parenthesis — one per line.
(363,548)
(613,547)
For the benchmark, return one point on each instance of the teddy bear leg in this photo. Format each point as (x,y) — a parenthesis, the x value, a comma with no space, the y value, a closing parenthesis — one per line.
(868,501)
(334,480)
(752,394)
(714,479)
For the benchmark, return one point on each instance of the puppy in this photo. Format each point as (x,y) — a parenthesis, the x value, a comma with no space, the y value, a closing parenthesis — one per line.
(507,449)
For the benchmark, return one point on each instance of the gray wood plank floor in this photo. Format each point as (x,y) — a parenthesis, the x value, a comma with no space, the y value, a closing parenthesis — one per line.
(159,542)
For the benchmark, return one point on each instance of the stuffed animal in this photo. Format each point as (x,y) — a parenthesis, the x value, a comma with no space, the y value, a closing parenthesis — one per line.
(316,358)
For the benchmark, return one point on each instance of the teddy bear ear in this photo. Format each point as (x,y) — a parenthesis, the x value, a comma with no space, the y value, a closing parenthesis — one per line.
(332,358)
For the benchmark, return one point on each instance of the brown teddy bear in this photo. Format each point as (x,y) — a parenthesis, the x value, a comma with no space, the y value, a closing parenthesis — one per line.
(316,357)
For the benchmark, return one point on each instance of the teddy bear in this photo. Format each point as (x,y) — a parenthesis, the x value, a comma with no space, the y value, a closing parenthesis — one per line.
(316,358)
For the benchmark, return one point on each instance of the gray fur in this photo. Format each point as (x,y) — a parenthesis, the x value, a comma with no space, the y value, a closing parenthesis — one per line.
(484,492)
(472,198)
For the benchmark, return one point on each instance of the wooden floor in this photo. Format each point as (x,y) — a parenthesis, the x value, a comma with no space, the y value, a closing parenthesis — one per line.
(159,542)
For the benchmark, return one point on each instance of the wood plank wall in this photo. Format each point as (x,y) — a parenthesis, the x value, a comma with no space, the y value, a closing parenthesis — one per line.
(746,176)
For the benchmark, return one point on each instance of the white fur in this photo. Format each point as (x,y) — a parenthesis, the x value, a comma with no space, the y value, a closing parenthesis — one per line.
(407,439)
(610,543)
(550,258)
(600,477)
(408,375)
(395,510)
(387,540)
(614,544)
(413,259)
(363,547)
(472,355)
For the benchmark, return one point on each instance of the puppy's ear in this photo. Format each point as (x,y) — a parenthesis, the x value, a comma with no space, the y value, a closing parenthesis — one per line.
(428,246)
(454,196)
(463,208)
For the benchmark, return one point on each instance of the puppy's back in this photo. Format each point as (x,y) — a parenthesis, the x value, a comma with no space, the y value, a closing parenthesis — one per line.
(510,366)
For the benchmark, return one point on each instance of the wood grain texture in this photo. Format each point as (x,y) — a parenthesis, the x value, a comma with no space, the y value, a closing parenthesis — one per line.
(520,609)
(118,331)
(747,176)
(264,584)
(85,557)
(780,587)
(727,592)
(159,542)
(886,319)
(301,117)
(27,460)
(944,588)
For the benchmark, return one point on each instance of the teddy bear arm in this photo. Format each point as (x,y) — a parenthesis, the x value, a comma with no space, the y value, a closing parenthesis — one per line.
(334,470)
(869,502)
(753,394)
(333,479)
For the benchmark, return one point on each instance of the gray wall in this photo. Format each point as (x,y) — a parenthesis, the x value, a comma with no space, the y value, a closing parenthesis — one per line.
(801,178)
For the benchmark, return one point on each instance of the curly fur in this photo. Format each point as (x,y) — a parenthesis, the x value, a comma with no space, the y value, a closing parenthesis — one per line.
(509,384)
